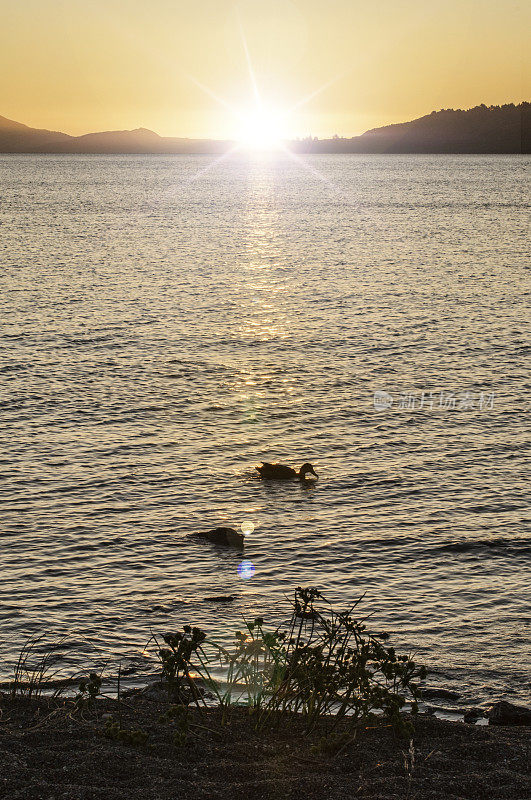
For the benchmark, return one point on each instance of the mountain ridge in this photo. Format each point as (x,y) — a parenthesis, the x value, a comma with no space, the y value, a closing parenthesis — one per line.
(482,129)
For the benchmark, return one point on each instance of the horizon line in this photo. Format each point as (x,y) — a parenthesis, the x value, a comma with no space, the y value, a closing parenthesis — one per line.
(299,138)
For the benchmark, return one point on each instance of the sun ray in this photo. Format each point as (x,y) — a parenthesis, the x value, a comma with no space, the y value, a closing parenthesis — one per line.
(218,98)
(304,100)
(315,172)
(300,161)
(252,75)
(213,164)
(126,32)
(263,125)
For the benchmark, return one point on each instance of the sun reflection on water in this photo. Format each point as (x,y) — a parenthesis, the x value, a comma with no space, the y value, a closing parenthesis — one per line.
(263,287)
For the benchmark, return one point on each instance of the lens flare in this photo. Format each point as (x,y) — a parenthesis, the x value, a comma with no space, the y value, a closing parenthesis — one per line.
(247,527)
(246,570)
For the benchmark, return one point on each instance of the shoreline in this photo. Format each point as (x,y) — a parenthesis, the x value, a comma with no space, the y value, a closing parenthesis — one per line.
(436,705)
(143,747)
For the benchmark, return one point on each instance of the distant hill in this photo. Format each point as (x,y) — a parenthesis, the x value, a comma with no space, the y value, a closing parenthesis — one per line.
(18,138)
(492,129)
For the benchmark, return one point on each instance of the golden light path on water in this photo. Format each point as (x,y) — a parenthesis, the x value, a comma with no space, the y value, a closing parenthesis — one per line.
(262,314)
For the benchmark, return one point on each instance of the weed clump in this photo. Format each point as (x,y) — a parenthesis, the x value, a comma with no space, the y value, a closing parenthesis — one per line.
(88,690)
(177,663)
(334,666)
(320,662)
(135,738)
(35,670)
(333,744)
(178,716)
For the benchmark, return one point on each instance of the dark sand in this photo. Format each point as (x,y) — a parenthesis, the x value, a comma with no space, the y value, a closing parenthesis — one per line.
(48,750)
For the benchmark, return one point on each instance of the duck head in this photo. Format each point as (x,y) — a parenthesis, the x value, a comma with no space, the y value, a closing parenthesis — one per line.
(305,469)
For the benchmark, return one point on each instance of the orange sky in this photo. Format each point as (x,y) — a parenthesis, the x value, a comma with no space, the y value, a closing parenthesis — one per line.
(86,65)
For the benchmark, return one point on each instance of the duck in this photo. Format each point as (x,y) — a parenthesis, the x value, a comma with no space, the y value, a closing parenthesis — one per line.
(225,536)
(282,473)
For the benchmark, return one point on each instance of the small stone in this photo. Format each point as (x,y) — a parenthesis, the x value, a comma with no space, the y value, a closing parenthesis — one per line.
(472,715)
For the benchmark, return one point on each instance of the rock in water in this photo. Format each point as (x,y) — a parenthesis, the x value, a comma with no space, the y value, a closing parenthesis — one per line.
(435,694)
(224,536)
(221,598)
(503,713)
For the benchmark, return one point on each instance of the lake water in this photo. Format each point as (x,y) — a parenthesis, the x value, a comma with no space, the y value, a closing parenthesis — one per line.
(167,323)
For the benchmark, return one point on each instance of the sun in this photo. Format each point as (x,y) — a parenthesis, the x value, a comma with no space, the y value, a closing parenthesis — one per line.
(260,129)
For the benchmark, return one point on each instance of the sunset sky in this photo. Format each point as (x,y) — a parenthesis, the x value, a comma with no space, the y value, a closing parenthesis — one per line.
(180,67)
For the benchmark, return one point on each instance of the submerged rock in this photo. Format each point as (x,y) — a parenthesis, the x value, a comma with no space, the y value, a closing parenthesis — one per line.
(221,598)
(504,713)
(445,694)
(224,536)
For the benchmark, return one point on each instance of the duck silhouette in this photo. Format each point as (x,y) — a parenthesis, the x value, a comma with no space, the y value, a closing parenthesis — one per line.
(279,472)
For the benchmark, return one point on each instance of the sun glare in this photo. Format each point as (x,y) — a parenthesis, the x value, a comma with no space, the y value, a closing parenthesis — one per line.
(260,130)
